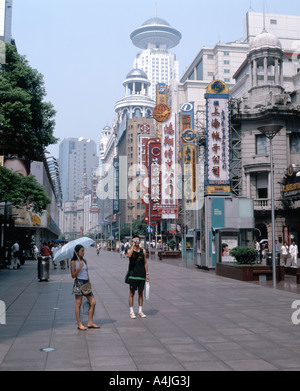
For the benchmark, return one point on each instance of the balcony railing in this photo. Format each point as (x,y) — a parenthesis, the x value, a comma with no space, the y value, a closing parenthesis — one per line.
(262,204)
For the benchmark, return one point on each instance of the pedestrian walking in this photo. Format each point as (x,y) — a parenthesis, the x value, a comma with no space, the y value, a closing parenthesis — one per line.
(284,250)
(35,252)
(79,271)
(122,252)
(54,250)
(257,248)
(138,274)
(293,250)
(15,262)
(98,248)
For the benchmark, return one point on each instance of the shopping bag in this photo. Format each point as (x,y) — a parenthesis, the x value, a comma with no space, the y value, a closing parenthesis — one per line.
(147,290)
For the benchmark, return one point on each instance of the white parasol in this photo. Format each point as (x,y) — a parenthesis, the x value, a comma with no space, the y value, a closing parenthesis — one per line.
(67,250)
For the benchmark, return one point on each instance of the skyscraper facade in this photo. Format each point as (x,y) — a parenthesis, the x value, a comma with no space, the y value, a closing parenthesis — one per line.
(77,159)
(5,20)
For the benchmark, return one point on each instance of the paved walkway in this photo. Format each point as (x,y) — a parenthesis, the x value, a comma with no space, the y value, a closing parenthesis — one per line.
(196,321)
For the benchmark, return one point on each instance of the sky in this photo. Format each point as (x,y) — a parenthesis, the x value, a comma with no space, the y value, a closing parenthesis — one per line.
(83,47)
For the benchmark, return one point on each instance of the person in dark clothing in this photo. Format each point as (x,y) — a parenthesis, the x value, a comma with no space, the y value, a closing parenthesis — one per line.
(138,274)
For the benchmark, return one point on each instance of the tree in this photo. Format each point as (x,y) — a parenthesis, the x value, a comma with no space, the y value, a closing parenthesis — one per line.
(22,191)
(26,121)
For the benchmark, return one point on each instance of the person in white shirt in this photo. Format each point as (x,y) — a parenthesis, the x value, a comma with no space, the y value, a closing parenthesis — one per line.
(293,250)
(54,250)
(284,250)
(35,252)
(15,263)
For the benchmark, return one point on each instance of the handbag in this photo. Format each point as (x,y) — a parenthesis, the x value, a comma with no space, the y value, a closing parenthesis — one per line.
(86,288)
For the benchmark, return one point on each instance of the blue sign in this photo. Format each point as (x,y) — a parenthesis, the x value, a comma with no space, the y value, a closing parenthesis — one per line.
(150,229)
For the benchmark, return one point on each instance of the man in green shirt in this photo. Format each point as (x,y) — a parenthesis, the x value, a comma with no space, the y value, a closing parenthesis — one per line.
(138,275)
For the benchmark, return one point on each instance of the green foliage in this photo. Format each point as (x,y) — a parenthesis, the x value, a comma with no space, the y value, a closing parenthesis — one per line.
(138,228)
(172,244)
(22,191)
(244,255)
(27,122)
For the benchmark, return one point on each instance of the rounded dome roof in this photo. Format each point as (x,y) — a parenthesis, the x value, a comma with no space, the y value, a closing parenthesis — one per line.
(156,21)
(265,39)
(138,73)
(155,31)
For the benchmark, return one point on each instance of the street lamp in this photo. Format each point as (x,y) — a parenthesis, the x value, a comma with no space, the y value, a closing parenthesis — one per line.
(270,132)
(130,207)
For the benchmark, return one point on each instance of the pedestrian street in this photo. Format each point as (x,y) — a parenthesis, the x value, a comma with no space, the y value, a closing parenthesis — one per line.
(196,321)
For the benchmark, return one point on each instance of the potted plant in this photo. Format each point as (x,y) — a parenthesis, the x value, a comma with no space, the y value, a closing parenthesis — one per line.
(244,255)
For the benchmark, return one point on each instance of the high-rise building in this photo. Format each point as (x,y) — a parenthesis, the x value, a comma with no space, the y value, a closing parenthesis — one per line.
(5,20)
(156,37)
(77,159)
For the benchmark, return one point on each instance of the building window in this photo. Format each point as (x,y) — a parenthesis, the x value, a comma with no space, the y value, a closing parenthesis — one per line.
(295,143)
(273,21)
(262,185)
(260,144)
(226,53)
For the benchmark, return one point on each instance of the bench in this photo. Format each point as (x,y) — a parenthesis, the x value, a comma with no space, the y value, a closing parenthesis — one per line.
(260,273)
(169,254)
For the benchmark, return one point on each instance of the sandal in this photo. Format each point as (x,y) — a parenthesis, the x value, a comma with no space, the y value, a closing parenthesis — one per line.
(94,326)
(82,328)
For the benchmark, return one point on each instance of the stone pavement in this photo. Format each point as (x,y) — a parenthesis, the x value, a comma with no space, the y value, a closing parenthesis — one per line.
(196,321)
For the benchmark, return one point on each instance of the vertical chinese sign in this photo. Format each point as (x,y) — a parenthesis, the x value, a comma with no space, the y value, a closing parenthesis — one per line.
(188,154)
(153,156)
(94,205)
(169,169)
(217,138)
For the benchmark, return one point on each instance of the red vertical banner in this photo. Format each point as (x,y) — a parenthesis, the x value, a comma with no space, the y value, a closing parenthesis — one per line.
(153,182)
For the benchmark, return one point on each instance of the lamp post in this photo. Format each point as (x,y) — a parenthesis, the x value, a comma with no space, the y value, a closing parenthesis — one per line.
(270,132)
(130,207)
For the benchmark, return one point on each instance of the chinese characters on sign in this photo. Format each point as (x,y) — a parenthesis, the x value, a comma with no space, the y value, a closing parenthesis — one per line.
(217,140)
(153,187)
(169,169)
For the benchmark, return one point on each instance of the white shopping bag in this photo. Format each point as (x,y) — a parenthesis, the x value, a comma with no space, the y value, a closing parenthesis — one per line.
(147,290)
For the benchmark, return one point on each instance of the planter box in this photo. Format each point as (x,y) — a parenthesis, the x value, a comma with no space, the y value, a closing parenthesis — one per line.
(169,254)
(248,273)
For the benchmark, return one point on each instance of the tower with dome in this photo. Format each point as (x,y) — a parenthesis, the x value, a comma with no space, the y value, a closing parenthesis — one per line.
(155,37)
(136,102)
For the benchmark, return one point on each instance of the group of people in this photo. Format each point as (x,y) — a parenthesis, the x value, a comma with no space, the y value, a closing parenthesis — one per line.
(49,250)
(285,251)
(138,275)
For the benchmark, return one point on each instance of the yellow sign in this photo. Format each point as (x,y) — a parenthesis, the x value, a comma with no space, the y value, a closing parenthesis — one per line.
(217,87)
(217,189)
(189,136)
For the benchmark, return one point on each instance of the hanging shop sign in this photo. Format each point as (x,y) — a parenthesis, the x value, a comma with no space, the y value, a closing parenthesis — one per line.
(169,169)
(161,93)
(161,112)
(217,138)
(153,183)
(189,173)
